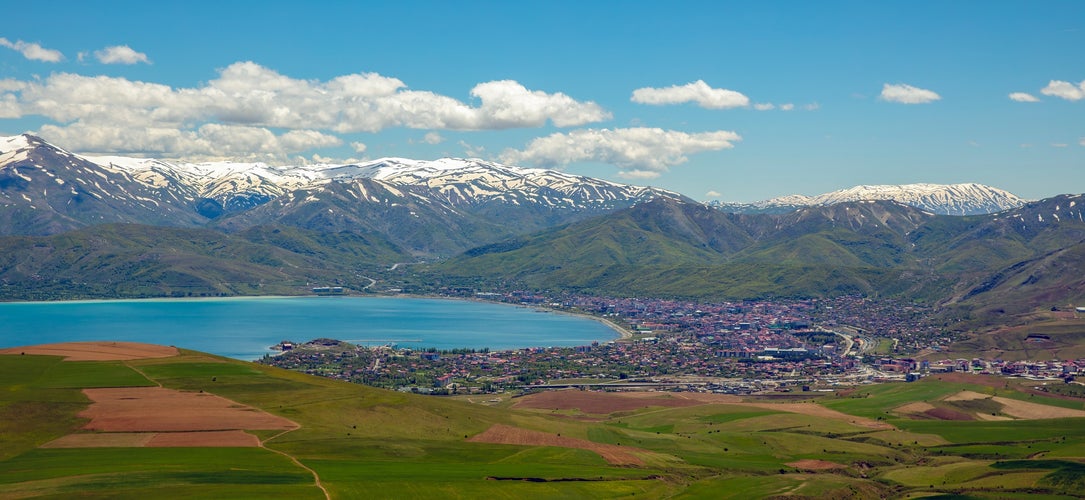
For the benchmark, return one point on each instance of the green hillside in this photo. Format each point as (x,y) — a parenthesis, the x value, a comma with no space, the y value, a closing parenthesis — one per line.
(361,442)
(985,270)
(128,260)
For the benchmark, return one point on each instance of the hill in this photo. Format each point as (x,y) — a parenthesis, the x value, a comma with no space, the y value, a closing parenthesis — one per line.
(127,260)
(1020,258)
(89,428)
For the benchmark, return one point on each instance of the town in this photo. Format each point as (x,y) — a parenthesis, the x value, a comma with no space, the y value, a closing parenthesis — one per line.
(742,347)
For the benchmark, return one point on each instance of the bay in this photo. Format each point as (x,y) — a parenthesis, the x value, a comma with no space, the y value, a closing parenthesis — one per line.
(245,328)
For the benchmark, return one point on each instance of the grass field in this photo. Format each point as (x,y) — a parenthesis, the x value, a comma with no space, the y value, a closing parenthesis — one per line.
(369,443)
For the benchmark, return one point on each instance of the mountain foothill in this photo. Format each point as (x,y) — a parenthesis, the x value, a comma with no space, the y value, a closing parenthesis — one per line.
(76,226)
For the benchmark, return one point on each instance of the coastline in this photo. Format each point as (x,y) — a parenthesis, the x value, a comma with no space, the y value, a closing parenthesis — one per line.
(493,339)
(623,334)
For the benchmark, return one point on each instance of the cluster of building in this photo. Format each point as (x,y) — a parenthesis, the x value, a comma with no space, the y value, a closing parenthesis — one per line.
(732,347)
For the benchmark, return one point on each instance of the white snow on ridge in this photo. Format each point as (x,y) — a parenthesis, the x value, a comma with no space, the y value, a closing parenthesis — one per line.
(13,149)
(957,199)
(13,143)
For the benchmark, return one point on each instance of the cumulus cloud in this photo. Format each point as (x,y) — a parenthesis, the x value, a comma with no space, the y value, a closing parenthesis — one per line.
(120,54)
(1065,90)
(764,106)
(641,153)
(696,92)
(907,94)
(1023,97)
(787,107)
(33,51)
(211,141)
(250,98)
(713,194)
(433,138)
(358,147)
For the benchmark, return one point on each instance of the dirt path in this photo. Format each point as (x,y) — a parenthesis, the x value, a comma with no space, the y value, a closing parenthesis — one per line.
(292,458)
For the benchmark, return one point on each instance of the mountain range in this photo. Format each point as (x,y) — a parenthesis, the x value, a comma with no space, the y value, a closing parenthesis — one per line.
(430,208)
(951,199)
(101,226)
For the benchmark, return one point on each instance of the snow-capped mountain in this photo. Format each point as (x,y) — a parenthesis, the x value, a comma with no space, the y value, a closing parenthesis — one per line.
(945,199)
(46,190)
(451,180)
(486,199)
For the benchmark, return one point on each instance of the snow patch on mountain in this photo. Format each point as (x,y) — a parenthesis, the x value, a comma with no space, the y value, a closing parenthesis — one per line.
(946,199)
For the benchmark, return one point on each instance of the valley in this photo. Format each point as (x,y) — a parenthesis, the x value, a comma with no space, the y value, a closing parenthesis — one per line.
(880,342)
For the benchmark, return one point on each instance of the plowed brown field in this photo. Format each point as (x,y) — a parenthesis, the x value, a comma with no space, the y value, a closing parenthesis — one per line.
(150,409)
(505,434)
(96,351)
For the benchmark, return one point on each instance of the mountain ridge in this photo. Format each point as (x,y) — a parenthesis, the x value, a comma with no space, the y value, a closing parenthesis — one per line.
(944,199)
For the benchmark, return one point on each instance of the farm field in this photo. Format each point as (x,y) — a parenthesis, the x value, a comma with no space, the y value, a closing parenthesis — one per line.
(231,429)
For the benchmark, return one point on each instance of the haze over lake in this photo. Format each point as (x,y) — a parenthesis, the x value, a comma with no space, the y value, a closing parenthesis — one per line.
(245,328)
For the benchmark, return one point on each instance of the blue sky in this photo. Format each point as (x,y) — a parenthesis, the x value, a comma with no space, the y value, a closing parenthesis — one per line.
(739,101)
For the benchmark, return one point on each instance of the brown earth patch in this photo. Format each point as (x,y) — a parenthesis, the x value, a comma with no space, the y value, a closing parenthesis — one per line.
(916,407)
(816,410)
(213,439)
(810,464)
(96,351)
(220,439)
(505,434)
(966,396)
(102,440)
(947,414)
(149,409)
(601,403)
(1035,411)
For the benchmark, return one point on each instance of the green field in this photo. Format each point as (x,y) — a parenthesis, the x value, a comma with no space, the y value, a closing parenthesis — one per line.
(369,443)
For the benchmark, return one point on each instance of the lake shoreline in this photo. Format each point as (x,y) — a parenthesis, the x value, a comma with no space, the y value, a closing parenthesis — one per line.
(218,328)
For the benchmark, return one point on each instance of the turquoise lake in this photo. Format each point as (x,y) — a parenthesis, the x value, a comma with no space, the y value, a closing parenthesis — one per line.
(245,328)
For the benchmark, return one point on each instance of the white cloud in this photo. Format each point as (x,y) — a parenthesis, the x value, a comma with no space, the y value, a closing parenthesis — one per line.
(1023,97)
(1065,90)
(9,106)
(211,141)
(358,147)
(642,153)
(433,138)
(119,54)
(473,151)
(713,194)
(507,104)
(251,98)
(1059,145)
(768,106)
(1082,142)
(907,94)
(33,51)
(697,92)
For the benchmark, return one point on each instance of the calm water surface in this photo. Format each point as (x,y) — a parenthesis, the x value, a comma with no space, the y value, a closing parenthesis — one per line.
(245,328)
